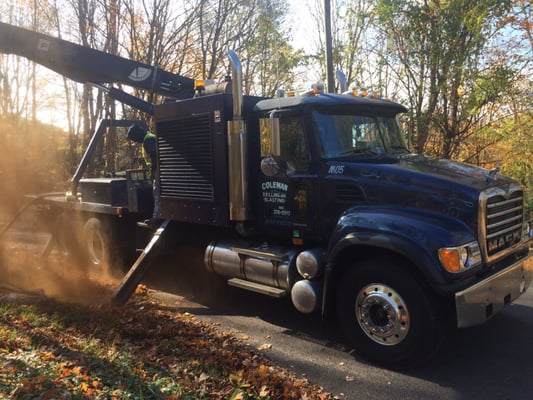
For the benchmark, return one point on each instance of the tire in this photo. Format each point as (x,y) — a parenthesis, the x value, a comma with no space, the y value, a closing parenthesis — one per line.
(96,244)
(387,314)
(66,238)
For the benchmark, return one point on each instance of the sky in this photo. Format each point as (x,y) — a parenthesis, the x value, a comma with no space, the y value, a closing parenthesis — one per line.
(302,24)
(303,30)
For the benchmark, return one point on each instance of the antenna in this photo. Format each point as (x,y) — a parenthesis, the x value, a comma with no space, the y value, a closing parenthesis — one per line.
(329,48)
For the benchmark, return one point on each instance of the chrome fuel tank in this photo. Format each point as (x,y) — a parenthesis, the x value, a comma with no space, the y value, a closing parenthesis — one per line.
(261,264)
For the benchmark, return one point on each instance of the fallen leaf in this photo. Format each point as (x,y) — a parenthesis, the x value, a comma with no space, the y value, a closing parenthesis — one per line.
(264,392)
(203,377)
(237,396)
(263,369)
(47,356)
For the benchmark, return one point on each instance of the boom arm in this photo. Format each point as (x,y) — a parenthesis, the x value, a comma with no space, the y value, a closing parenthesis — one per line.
(86,65)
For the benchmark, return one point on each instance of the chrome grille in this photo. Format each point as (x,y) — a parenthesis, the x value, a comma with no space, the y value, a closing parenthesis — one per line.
(504,216)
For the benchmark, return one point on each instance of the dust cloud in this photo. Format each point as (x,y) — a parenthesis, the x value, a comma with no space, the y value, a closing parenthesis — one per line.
(38,159)
(23,267)
(34,161)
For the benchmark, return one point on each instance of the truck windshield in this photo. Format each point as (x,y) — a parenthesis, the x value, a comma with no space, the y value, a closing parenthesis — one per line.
(343,135)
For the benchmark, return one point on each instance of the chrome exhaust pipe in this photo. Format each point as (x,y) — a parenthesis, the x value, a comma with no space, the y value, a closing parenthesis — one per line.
(237,147)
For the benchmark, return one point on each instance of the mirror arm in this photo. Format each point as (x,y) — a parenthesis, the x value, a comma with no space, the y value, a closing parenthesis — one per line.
(275,139)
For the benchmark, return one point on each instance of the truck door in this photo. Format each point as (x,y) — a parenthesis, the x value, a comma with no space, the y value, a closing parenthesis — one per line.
(288,195)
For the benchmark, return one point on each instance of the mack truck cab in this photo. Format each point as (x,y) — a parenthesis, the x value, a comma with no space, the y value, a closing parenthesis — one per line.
(313,197)
(325,203)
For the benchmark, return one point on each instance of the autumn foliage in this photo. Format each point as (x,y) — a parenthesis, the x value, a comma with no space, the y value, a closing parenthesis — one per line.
(54,350)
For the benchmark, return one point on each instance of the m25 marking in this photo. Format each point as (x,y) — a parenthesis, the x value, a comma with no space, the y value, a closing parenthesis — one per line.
(336,170)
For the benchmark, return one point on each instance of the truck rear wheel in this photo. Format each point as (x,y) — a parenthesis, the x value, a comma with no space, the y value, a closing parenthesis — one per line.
(96,239)
(387,314)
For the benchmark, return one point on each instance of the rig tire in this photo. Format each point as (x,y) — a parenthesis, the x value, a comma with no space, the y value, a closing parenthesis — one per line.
(96,241)
(387,314)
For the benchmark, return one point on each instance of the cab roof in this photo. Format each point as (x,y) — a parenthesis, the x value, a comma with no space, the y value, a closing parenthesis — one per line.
(326,100)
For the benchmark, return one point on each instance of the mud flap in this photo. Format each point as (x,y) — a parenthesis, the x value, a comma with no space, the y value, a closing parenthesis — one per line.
(144,261)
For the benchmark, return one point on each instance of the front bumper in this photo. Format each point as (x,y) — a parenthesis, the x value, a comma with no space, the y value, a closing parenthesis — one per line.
(478,303)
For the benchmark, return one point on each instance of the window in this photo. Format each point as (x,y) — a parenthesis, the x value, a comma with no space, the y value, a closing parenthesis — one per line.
(293,145)
(348,134)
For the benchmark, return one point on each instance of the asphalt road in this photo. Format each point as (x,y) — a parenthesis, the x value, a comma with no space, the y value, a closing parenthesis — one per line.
(492,361)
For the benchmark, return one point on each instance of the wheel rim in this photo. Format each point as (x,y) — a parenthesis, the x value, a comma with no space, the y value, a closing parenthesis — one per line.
(95,247)
(382,314)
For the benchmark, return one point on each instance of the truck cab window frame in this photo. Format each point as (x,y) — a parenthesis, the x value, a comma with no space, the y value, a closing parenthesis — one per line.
(343,134)
(293,143)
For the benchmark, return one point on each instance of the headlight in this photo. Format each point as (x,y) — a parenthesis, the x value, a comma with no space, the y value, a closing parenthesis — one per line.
(460,258)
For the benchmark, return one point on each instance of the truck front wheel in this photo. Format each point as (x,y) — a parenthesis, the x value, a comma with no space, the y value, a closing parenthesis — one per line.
(387,314)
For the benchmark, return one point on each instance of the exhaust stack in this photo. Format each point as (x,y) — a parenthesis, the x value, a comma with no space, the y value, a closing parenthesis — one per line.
(237,147)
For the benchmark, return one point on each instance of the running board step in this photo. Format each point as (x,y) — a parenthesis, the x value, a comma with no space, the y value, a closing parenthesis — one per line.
(260,254)
(257,287)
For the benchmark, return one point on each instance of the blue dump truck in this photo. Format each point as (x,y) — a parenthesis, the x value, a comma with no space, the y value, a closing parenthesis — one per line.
(315,197)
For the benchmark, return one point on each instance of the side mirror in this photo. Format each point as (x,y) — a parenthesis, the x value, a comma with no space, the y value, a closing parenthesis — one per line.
(270,145)
(269,166)
(275,135)
(271,162)
(270,136)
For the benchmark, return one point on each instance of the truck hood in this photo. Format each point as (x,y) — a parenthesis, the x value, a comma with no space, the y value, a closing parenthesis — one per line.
(413,181)
(453,172)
